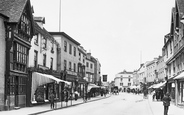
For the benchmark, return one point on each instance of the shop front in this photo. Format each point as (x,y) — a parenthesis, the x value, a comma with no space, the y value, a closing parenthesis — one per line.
(180,88)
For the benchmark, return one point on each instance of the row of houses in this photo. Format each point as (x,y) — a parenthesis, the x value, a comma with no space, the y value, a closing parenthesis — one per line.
(35,62)
(168,68)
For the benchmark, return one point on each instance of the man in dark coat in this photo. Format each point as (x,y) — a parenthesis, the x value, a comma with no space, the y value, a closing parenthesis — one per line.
(51,98)
(166,102)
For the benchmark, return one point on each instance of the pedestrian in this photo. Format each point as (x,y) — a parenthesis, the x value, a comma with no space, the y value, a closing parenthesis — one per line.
(51,98)
(166,102)
(76,95)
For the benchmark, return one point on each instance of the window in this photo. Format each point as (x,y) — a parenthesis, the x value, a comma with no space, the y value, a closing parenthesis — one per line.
(23,29)
(79,56)
(52,48)
(74,67)
(129,84)
(70,50)
(20,57)
(36,39)
(65,46)
(11,85)
(74,51)
(91,65)
(35,58)
(128,79)
(44,42)
(51,63)
(87,64)
(70,66)
(65,64)
(21,85)
(44,59)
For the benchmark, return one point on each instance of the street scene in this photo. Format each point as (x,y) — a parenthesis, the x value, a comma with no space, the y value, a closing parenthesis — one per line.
(94,57)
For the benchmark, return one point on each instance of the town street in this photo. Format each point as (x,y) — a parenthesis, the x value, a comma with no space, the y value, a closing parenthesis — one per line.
(122,104)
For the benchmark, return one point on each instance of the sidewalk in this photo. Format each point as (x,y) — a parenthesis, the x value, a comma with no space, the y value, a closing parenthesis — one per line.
(157,108)
(38,109)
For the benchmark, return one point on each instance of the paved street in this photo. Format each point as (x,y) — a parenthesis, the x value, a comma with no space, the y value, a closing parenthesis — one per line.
(122,104)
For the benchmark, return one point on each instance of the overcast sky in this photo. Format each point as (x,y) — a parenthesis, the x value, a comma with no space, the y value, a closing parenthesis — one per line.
(120,33)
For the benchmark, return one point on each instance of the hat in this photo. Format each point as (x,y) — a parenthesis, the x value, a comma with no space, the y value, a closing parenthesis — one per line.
(167,94)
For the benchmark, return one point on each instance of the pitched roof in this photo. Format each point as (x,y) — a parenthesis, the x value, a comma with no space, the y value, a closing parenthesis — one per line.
(12,9)
(125,72)
(65,35)
(180,4)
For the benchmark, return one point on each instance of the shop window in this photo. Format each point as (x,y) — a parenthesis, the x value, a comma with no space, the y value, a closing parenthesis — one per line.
(21,85)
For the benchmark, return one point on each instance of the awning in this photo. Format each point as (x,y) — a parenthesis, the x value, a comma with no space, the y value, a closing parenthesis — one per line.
(90,86)
(39,79)
(159,85)
(180,76)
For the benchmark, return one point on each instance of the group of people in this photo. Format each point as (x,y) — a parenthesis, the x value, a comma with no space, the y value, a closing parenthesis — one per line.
(158,94)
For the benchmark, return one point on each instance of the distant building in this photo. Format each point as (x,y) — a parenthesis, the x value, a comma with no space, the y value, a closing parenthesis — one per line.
(89,69)
(124,80)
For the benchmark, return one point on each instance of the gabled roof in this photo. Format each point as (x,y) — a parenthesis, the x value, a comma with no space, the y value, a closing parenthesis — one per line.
(12,9)
(125,72)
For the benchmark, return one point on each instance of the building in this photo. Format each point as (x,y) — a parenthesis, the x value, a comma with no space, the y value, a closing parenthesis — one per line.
(69,55)
(160,69)
(43,65)
(124,80)
(89,69)
(81,69)
(16,32)
(142,73)
(151,71)
(175,63)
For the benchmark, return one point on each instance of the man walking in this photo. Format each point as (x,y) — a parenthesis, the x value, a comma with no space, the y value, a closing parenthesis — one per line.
(166,102)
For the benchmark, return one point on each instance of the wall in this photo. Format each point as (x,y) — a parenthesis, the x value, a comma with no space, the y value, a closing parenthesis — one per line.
(2,61)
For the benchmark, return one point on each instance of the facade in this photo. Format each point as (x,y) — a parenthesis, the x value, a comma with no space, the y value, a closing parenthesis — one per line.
(90,70)
(142,73)
(174,53)
(43,62)
(124,80)
(135,78)
(16,32)
(151,71)
(69,55)
(160,69)
(81,69)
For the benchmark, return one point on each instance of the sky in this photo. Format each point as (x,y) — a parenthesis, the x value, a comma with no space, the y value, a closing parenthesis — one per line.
(122,34)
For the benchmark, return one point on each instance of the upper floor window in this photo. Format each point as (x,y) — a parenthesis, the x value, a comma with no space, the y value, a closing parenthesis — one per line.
(36,39)
(70,50)
(20,57)
(44,42)
(65,64)
(52,47)
(44,59)
(70,66)
(35,58)
(23,29)
(51,63)
(87,64)
(74,67)
(74,51)
(91,65)
(65,46)
(79,56)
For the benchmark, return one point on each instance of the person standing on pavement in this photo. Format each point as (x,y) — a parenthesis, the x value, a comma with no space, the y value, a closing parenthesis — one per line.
(51,98)
(166,102)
